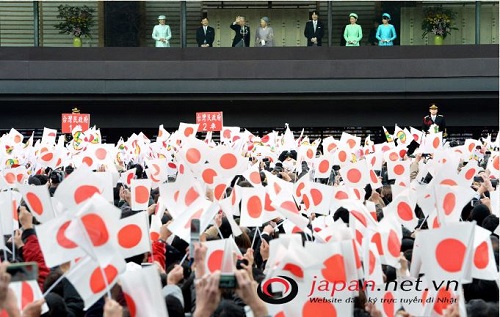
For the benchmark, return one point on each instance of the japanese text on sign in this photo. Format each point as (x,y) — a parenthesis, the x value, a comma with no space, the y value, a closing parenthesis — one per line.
(209,121)
(69,121)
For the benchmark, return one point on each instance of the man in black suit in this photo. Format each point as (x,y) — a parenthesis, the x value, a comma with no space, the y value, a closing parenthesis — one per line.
(434,118)
(205,34)
(314,30)
(242,36)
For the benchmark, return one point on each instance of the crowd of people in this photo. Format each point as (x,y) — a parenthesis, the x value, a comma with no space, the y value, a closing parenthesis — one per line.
(383,35)
(281,163)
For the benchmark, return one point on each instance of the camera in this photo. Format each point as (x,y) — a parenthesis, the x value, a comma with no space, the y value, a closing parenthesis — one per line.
(239,262)
(479,179)
(228,281)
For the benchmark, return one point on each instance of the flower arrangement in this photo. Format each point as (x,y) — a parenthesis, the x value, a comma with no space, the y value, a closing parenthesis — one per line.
(76,20)
(438,21)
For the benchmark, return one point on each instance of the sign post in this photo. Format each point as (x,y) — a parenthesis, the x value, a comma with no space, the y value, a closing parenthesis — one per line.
(209,121)
(69,121)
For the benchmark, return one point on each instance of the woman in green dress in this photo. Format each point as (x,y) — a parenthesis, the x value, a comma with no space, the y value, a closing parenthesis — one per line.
(353,33)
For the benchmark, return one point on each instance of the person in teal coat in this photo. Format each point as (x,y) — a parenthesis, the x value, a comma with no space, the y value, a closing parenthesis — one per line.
(353,33)
(386,33)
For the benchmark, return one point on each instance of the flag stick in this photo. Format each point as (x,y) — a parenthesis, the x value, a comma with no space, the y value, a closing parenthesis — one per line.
(220,233)
(89,241)
(257,231)
(54,285)
(422,222)
(184,259)
(13,247)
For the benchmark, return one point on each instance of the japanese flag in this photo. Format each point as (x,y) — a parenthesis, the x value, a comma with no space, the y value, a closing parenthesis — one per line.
(416,135)
(94,228)
(133,235)
(226,162)
(353,142)
(157,171)
(38,200)
(79,186)
(288,208)
(26,293)
(92,280)
(106,179)
(48,155)
(372,266)
(306,152)
(431,143)
(182,224)
(229,134)
(494,165)
(143,293)
(187,130)
(342,155)
(443,297)
(252,175)
(355,174)
(8,214)
(299,187)
(391,236)
(317,198)
(467,173)
(252,205)
(163,134)
(127,177)
(195,154)
(340,195)
(226,208)
(388,300)
(56,246)
(403,208)
(450,200)
(446,253)
(215,253)
(323,166)
(330,145)
(154,230)
(484,265)
(49,136)
(276,186)
(15,136)
(399,170)
(140,191)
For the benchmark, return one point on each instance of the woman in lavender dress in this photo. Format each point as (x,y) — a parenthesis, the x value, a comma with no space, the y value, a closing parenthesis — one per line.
(264,36)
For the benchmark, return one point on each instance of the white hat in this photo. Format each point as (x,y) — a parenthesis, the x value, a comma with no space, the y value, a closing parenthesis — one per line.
(162,17)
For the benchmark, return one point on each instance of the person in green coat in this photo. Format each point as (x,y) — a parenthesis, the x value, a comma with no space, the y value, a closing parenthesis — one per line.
(353,33)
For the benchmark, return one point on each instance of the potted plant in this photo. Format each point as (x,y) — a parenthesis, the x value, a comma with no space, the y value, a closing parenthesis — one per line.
(77,21)
(438,21)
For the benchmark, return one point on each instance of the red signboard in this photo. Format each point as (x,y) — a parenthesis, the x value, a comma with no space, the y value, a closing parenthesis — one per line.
(209,121)
(69,121)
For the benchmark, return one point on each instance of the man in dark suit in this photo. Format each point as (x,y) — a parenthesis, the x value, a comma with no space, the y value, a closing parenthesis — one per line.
(205,34)
(242,36)
(434,118)
(314,30)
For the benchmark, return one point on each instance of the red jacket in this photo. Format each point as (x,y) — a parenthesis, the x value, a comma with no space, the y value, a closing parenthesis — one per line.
(158,254)
(33,253)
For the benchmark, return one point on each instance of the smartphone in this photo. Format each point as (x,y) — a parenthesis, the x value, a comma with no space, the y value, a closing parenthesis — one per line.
(239,262)
(25,271)
(478,179)
(228,281)
(195,236)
